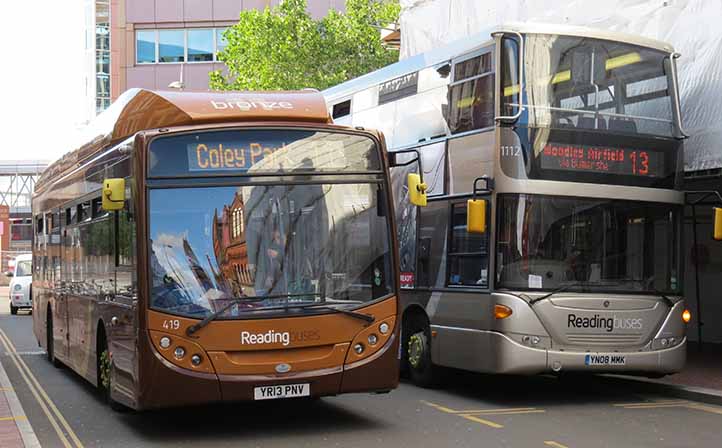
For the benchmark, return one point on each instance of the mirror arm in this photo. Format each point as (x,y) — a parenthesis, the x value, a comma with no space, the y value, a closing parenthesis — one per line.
(394,163)
(675,85)
(488,187)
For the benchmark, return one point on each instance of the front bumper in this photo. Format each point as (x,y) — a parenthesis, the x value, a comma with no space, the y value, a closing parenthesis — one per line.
(377,373)
(508,356)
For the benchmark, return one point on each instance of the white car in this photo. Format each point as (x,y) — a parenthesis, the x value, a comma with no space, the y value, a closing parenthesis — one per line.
(20,283)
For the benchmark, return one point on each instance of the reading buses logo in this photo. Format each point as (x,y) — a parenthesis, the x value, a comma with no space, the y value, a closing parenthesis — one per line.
(269,337)
(257,104)
(607,323)
(276,337)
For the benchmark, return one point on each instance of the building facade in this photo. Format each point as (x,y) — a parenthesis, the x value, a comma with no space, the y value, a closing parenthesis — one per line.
(152,43)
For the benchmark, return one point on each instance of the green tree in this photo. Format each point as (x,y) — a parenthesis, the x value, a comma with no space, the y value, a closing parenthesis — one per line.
(284,48)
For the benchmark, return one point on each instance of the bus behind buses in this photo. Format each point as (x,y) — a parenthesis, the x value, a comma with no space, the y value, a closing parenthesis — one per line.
(203,247)
(552,164)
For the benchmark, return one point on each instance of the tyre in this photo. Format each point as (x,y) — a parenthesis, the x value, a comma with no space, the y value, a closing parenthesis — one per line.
(50,343)
(104,365)
(13,309)
(417,342)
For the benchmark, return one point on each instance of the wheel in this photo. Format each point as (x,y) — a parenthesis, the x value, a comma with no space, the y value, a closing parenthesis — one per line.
(417,341)
(50,342)
(104,364)
(13,309)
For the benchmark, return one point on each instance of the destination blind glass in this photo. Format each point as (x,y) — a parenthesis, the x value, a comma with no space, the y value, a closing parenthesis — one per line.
(213,153)
(604,160)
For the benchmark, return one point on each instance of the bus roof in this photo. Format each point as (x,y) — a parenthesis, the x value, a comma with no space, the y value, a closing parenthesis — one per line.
(476,41)
(139,109)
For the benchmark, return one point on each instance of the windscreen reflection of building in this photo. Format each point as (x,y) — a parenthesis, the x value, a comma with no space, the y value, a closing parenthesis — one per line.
(229,248)
(175,262)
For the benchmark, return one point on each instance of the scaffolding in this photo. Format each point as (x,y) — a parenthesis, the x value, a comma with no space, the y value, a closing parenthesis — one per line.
(17,182)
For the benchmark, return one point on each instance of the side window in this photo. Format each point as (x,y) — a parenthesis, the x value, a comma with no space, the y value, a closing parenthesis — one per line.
(471,93)
(71,215)
(96,251)
(83,211)
(468,256)
(54,247)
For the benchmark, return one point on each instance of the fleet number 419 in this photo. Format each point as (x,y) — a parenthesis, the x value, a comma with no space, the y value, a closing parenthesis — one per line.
(172,324)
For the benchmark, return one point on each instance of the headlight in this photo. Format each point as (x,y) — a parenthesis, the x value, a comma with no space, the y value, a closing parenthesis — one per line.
(17,287)
(179,352)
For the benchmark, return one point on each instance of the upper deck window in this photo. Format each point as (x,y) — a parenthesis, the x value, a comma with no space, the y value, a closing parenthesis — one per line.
(282,151)
(471,93)
(341,109)
(582,83)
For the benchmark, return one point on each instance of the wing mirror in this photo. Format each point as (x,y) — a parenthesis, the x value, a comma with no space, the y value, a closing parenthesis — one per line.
(113,194)
(417,190)
(476,208)
(476,216)
(414,181)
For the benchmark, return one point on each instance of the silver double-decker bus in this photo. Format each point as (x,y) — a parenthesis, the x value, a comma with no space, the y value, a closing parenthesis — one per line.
(548,164)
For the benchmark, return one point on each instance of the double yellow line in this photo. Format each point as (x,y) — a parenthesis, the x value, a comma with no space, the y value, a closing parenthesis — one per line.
(61,426)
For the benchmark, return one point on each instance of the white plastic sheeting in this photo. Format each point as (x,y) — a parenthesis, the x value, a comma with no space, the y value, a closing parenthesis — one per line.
(693,27)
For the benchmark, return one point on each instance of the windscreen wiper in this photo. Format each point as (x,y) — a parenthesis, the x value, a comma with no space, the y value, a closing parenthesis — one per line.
(669,302)
(195,327)
(557,290)
(329,306)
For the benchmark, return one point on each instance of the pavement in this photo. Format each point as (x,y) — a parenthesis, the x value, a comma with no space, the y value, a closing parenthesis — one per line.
(15,430)
(470,410)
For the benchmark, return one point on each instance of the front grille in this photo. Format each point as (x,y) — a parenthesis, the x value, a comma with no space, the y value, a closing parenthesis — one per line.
(604,339)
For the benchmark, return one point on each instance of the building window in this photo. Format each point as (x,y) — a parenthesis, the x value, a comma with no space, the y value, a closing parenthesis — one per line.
(179,45)
(145,47)
(237,223)
(171,46)
(221,41)
(200,45)
(102,55)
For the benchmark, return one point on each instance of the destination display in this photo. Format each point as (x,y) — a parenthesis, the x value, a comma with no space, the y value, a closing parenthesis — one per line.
(602,160)
(256,151)
(204,156)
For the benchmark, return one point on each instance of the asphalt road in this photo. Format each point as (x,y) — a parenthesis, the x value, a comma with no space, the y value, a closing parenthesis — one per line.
(470,410)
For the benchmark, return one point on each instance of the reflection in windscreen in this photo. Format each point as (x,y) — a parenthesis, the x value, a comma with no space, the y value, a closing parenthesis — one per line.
(298,243)
(546,242)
